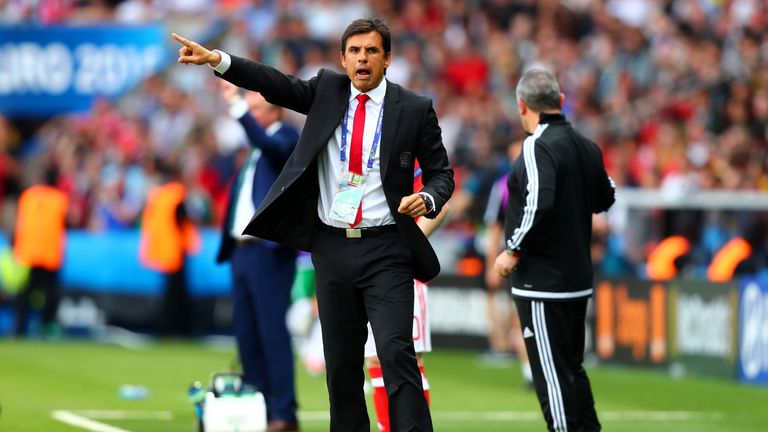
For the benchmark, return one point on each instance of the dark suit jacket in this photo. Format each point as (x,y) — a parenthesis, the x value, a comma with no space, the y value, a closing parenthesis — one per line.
(275,150)
(409,131)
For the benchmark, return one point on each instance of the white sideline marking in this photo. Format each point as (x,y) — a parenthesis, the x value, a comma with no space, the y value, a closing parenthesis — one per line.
(660,415)
(84,419)
(125,415)
(649,416)
(73,419)
(314,416)
(488,415)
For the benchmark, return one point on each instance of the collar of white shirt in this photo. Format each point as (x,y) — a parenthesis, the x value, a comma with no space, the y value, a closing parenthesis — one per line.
(273,128)
(376,94)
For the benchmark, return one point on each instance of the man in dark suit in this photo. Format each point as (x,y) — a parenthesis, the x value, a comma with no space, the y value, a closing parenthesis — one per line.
(346,195)
(262,271)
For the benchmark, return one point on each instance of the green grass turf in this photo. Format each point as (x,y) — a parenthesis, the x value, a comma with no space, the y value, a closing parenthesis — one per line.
(37,378)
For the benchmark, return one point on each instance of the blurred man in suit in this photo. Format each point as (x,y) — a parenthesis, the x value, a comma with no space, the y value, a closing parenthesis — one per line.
(262,271)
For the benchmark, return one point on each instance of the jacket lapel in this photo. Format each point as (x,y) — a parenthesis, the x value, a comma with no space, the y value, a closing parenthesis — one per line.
(389,126)
(332,117)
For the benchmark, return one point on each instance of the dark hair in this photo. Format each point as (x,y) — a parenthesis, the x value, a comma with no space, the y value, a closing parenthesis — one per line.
(367,25)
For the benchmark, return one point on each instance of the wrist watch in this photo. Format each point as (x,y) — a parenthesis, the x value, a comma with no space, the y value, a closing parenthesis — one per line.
(427,202)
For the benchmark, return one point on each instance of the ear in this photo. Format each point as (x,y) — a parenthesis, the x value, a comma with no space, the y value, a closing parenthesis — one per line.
(387,59)
(343,60)
(522,107)
(562,100)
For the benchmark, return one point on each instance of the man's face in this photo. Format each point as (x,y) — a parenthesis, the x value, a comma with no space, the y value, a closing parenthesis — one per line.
(264,113)
(364,60)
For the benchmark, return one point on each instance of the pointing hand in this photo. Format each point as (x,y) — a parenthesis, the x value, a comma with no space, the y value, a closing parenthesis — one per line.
(193,52)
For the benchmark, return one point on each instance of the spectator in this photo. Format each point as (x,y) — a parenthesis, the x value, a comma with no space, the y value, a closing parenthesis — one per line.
(167,236)
(39,245)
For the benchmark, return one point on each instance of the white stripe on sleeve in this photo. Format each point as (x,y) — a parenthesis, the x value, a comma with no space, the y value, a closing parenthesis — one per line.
(532,201)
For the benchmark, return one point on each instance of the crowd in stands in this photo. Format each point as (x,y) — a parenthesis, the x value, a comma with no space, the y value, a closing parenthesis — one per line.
(675,92)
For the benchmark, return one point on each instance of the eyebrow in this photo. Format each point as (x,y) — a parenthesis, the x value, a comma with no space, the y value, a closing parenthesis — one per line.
(349,47)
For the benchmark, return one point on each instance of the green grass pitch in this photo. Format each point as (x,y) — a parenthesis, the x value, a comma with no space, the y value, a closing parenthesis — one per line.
(38,379)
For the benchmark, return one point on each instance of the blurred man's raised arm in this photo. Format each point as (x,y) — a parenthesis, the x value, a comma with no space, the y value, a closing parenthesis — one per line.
(278,88)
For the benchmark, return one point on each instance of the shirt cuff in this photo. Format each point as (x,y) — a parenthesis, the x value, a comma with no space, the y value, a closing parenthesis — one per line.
(431,200)
(224,64)
(238,108)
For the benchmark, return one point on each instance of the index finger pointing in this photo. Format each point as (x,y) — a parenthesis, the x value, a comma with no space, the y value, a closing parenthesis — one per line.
(181,40)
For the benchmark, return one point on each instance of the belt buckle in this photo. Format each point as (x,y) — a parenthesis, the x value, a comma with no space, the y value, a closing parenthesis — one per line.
(354,233)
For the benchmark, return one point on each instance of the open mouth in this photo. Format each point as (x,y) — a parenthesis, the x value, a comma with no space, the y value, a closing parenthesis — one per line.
(362,73)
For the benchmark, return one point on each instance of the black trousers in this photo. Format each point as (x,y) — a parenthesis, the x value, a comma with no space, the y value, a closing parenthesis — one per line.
(360,280)
(554,337)
(45,281)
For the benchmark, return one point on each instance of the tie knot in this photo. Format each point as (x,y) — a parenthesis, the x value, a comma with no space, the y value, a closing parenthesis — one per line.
(363,98)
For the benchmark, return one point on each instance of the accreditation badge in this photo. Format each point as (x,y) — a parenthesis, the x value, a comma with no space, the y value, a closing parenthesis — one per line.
(348,197)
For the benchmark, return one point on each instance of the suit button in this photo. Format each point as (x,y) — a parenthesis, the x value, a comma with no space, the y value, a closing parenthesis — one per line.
(282,189)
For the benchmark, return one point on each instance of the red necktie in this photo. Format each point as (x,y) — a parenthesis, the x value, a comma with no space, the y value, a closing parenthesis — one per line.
(356,150)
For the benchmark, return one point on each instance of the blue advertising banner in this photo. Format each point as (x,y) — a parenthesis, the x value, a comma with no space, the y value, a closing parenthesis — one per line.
(109,263)
(49,70)
(753,326)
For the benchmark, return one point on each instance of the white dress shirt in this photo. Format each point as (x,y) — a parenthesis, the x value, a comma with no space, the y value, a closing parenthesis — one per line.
(329,164)
(244,208)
